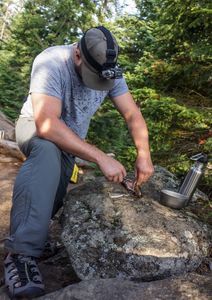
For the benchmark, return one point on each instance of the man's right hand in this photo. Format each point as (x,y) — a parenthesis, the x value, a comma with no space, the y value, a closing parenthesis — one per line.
(112,169)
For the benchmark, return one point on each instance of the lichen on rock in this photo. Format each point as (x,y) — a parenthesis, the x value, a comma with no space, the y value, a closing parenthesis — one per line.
(109,233)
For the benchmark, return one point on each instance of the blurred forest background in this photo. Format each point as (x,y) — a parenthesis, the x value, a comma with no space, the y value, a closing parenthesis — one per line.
(166,57)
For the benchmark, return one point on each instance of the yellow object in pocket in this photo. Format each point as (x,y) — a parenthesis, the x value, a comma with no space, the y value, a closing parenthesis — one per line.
(74,176)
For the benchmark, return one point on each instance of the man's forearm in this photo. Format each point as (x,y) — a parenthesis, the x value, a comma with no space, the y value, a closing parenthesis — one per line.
(57,132)
(139,132)
(143,164)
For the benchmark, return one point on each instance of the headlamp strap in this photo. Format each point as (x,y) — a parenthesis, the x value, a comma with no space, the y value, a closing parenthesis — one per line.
(88,57)
(110,52)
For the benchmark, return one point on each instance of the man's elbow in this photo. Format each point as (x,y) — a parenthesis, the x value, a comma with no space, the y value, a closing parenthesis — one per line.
(44,129)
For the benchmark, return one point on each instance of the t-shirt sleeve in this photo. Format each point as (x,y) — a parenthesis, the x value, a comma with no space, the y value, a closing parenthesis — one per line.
(46,76)
(120,87)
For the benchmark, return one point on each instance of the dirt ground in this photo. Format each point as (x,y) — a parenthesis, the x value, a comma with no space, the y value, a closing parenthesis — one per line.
(8,170)
(57,271)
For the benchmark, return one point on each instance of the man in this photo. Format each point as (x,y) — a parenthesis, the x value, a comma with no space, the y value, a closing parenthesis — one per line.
(68,84)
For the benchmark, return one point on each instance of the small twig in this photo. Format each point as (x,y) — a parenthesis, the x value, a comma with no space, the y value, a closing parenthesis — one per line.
(192,91)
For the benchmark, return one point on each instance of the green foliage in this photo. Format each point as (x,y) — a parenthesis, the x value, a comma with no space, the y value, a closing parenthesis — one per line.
(170,125)
(166,120)
(168,75)
(148,9)
(178,56)
(109,132)
(165,51)
(208,146)
(54,22)
(182,25)
(10,74)
(132,41)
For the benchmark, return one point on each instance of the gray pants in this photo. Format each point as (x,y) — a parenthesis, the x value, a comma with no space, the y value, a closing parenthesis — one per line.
(39,189)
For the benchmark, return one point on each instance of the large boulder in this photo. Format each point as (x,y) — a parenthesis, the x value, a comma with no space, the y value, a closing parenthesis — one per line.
(186,287)
(109,233)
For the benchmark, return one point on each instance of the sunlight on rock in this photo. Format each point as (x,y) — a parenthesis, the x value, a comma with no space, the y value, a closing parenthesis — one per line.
(129,237)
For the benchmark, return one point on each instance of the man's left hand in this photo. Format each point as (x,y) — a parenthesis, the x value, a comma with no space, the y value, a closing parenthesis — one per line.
(143,169)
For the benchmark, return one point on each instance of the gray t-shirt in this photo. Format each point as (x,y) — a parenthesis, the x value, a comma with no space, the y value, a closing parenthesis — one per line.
(53,74)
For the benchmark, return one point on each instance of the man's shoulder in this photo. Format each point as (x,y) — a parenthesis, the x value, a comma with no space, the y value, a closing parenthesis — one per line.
(56,53)
(59,48)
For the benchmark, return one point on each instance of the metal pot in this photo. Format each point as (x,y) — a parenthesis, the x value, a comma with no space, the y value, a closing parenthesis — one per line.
(188,187)
(173,199)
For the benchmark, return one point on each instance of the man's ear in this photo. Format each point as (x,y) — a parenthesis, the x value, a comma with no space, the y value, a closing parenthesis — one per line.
(77,55)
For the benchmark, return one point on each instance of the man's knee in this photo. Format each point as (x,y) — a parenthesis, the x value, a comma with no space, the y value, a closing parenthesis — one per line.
(46,148)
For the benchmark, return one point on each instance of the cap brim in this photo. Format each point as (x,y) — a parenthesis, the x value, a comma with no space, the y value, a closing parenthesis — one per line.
(93,81)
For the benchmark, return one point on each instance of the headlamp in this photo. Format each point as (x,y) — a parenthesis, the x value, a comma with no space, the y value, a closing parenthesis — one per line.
(112,73)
